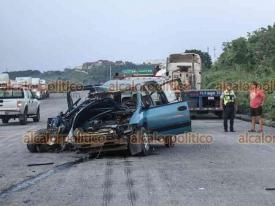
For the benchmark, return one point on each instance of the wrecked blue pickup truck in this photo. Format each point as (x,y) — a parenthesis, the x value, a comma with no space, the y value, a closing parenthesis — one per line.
(130,118)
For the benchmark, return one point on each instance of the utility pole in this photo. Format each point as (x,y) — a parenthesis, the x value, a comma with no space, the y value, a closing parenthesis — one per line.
(193,84)
(214,52)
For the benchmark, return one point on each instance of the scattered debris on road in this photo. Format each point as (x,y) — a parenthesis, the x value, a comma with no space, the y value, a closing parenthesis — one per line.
(270,188)
(40,164)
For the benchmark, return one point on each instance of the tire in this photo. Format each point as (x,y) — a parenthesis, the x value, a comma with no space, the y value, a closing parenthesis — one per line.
(37,116)
(5,120)
(138,145)
(170,141)
(38,137)
(32,148)
(38,148)
(42,148)
(23,118)
(145,144)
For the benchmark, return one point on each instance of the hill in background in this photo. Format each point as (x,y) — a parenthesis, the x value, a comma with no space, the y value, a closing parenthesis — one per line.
(90,73)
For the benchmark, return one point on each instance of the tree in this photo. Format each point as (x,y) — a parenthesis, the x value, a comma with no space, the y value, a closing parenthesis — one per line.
(256,51)
(205,57)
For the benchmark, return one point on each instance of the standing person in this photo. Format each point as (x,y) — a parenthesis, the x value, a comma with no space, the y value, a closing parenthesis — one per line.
(227,102)
(257,98)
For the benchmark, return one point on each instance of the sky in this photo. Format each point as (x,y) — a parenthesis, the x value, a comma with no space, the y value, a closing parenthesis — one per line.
(54,34)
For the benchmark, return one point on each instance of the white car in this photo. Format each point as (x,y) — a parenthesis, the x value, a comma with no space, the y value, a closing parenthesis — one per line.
(18,103)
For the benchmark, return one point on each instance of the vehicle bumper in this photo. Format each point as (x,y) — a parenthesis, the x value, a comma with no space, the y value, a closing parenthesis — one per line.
(14,112)
(209,109)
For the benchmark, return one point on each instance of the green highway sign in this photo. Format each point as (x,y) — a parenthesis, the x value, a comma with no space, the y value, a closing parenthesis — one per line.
(145,71)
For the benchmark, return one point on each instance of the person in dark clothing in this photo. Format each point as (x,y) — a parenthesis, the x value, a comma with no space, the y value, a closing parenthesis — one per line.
(227,102)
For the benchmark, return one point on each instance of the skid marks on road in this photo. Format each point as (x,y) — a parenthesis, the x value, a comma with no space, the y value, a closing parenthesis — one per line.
(122,185)
(132,196)
(107,185)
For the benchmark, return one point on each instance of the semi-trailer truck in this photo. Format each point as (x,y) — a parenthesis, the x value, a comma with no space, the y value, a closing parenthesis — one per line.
(188,67)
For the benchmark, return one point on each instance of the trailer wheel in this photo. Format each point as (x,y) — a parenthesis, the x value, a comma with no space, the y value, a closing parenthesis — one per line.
(5,120)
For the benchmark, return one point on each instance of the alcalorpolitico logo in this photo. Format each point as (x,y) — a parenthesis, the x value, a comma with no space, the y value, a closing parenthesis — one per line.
(33,137)
(254,138)
(244,86)
(64,86)
(187,138)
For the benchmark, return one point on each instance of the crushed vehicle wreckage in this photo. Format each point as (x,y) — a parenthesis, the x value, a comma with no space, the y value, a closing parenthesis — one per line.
(117,119)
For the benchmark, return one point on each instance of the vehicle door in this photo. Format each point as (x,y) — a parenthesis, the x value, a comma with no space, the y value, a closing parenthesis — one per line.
(168,114)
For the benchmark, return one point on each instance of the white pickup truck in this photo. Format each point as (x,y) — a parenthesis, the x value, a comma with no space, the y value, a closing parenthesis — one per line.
(18,103)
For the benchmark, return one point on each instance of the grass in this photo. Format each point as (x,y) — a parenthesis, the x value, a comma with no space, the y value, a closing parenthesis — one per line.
(241,78)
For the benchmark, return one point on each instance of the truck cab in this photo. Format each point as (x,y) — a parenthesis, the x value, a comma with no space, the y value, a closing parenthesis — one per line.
(187,67)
